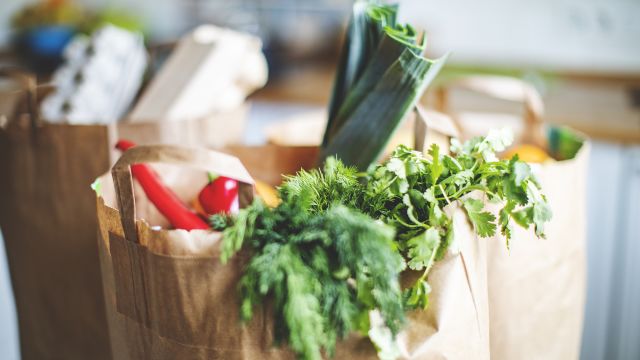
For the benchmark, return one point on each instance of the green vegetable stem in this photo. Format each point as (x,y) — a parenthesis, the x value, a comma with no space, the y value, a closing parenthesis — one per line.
(381,76)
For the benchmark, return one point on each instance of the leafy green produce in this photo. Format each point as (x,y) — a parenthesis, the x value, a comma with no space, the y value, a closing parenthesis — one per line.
(323,269)
(334,248)
(380,77)
(420,187)
(483,221)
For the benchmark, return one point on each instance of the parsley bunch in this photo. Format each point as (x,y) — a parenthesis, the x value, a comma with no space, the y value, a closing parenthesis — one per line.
(419,187)
(333,250)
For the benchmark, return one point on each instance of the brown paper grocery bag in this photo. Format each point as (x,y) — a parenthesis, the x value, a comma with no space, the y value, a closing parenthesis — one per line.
(456,323)
(47,218)
(458,312)
(167,294)
(537,289)
(12,92)
(47,230)
(214,131)
(169,297)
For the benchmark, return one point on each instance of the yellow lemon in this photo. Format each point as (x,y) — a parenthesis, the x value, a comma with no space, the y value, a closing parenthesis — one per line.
(527,153)
(268,193)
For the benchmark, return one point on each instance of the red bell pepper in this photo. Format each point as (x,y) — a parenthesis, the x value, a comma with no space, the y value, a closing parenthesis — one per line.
(220,195)
(165,200)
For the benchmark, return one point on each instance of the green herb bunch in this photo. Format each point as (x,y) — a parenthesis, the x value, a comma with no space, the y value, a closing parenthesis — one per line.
(419,187)
(324,265)
(333,250)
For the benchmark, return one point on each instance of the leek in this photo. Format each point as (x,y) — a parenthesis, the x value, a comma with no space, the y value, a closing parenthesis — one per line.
(380,77)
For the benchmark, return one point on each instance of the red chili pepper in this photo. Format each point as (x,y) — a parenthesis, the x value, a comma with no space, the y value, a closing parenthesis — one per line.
(162,197)
(220,195)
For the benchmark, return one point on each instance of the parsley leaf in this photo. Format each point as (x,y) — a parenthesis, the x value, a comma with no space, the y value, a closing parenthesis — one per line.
(541,215)
(437,168)
(521,172)
(506,229)
(417,296)
(422,249)
(483,221)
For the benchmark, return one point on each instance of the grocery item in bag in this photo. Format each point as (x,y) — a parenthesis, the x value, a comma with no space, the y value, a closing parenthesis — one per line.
(48,222)
(537,287)
(48,231)
(206,326)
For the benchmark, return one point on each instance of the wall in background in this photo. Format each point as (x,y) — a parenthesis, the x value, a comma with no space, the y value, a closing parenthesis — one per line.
(601,36)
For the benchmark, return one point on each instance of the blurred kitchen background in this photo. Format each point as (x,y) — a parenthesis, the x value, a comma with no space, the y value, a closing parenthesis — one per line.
(582,55)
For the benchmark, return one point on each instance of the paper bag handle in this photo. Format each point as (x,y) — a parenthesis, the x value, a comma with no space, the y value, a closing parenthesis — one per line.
(427,121)
(200,159)
(503,88)
(29,83)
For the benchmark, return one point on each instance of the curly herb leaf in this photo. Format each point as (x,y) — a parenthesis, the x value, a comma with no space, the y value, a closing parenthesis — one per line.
(423,249)
(308,261)
(483,221)
(417,296)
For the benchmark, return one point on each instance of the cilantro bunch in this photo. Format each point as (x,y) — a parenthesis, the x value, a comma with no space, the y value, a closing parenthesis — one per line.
(333,250)
(418,188)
